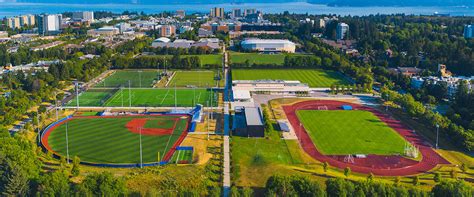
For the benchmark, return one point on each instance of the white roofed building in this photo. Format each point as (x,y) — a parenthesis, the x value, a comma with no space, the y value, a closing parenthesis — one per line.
(268,45)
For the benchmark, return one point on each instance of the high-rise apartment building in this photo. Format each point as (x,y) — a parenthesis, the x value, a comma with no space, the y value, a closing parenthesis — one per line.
(83,16)
(341,31)
(217,12)
(49,24)
(468,31)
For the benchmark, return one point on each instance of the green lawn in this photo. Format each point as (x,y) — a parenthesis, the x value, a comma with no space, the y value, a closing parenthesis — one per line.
(92,98)
(313,77)
(256,58)
(350,132)
(160,97)
(209,59)
(106,140)
(137,79)
(193,78)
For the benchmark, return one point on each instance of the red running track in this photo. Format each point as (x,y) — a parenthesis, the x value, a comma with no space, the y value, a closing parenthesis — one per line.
(376,164)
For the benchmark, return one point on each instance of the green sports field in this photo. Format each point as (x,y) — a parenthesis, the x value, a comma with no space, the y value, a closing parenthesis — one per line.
(193,78)
(313,77)
(256,58)
(137,79)
(107,140)
(160,97)
(144,97)
(350,132)
(213,59)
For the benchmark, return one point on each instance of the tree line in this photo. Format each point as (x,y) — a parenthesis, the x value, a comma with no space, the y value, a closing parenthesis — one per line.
(279,185)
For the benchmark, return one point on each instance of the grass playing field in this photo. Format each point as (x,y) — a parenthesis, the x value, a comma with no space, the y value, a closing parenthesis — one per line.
(215,59)
(107,140)
(313,77)
(350,132)
(193,78)
(256,58)
(137,79)
(149,97)
(160,97)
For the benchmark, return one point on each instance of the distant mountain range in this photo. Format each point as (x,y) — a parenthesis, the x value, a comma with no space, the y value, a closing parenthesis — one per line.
(357,3)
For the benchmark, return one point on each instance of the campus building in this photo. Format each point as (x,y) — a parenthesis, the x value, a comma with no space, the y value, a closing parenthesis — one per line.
(268,45)
(166,30)
(83,16)
(341,31)
(280,87)
(104,31)
(49,24)
(212,43)
(468,31)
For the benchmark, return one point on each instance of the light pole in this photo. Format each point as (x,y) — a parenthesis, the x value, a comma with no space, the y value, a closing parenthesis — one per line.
(67,143)
(140,77)
(437,134)
(141,153)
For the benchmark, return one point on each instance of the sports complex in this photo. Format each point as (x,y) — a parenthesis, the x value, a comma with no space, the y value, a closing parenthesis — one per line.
(359,137)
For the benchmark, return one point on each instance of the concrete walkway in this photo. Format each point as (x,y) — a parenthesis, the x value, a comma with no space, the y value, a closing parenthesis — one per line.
(226,172)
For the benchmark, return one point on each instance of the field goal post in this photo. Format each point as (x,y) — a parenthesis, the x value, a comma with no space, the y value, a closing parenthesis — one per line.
(349,159)
(323,107)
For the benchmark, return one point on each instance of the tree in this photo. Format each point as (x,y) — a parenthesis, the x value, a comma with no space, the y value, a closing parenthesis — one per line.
(347,171)
(75,171)
(454,174)
(397,180)
(416,180)
(325,166)
(370,178)
(437,177)
(246,192)
(103,184)
(452,188)
(463,168)
(54,184)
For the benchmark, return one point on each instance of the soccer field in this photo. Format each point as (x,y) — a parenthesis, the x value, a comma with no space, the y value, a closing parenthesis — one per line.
(193,78)
(350,132)
(110,140)
(313,77)
(137,79)
(160,97)
(256,58)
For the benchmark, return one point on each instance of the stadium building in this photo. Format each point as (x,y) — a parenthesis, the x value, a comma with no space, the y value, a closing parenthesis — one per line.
(268,45)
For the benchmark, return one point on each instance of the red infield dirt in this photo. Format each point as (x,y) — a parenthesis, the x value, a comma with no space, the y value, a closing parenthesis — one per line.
(376,164)
(135,125)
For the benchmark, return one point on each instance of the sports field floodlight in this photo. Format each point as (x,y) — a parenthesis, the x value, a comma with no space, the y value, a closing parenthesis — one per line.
(141,151)
(77,95)
(437,135)
(67,143)
(129,97)
(140,77)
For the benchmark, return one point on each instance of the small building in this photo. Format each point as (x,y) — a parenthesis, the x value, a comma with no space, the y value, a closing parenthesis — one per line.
(268,45)
(248,122)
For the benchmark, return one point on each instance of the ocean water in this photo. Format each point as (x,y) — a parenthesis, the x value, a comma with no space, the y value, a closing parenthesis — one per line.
(13,9)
